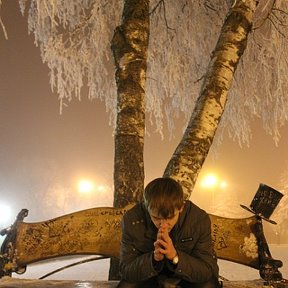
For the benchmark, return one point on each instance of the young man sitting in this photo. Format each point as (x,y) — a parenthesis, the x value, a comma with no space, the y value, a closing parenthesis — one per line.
(166,241)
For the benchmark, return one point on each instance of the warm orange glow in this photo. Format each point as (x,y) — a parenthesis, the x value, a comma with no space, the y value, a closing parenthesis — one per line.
(100,188)
(5,214)
(209,181)
(223,184)
(85,186)
(213,181)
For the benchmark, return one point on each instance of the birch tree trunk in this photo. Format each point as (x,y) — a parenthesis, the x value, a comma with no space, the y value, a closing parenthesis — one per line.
(189,156)
(129,46)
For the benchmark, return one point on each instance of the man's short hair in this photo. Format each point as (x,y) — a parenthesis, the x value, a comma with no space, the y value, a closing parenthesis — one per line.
(163,195)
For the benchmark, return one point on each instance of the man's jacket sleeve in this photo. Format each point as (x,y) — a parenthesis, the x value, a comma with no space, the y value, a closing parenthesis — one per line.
(200,264)
(134,265)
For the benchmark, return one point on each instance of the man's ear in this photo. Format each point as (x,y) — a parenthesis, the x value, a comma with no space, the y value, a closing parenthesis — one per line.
(181,209)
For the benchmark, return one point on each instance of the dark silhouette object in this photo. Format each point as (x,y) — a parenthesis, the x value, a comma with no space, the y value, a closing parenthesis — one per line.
(264,202)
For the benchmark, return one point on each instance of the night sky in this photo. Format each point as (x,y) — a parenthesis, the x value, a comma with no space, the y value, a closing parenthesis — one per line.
(41,150)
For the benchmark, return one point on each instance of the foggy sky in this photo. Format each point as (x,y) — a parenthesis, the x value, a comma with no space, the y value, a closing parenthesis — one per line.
(38,146)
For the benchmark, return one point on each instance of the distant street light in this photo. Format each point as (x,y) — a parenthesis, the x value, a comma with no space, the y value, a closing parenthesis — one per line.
(212,182)
(5,215)
(209,181)
(88,186)
(85,186)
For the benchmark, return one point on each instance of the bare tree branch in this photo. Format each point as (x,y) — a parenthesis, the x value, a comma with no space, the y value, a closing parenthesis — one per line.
(159,5)
(276,27)
(156,7)
(265,18)
(280,10)
(280,19)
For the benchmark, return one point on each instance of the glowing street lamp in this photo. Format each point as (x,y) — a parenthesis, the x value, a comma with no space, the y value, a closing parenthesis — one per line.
(85,186)
(212,182)
(5,214)
(209,181)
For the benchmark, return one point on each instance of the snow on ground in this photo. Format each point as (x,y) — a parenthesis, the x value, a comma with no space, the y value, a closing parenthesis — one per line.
(98,270)
(233,271)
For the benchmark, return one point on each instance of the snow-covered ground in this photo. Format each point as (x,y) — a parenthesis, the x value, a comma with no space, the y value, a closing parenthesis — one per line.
(233,271)
(98,270)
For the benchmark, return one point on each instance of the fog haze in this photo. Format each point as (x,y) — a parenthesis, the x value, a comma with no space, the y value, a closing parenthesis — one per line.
(44,154)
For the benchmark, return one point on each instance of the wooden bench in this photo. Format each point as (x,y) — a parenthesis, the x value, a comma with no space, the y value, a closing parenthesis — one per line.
(97,231)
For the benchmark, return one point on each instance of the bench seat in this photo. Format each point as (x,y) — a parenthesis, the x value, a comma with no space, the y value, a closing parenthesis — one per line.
(8,282)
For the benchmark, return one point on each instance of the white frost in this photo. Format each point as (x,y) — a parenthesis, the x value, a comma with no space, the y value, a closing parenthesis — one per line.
(250,247)
(75,36)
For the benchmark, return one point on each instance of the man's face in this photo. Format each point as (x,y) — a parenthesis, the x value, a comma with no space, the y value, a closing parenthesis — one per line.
(169,222)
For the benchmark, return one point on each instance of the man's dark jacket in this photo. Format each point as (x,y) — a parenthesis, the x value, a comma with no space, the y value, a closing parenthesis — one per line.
(191,237)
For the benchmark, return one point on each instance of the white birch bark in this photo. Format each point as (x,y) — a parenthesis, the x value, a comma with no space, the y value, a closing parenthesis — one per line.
(193,148)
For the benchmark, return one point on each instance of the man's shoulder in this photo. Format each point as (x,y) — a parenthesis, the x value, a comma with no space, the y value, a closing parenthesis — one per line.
(194,210)
(136,211)
(135,219)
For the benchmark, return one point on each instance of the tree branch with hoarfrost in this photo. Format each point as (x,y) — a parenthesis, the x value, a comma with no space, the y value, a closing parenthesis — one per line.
(195,144)
(166,69)
(74,38)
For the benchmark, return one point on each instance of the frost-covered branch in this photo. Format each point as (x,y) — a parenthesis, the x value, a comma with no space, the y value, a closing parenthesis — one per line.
(265,60)
(195,144)
(2,24)
(4,29)
(74,37)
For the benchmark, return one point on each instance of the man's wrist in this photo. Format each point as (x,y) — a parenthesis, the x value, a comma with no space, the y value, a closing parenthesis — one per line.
(157,265)
(175,260)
